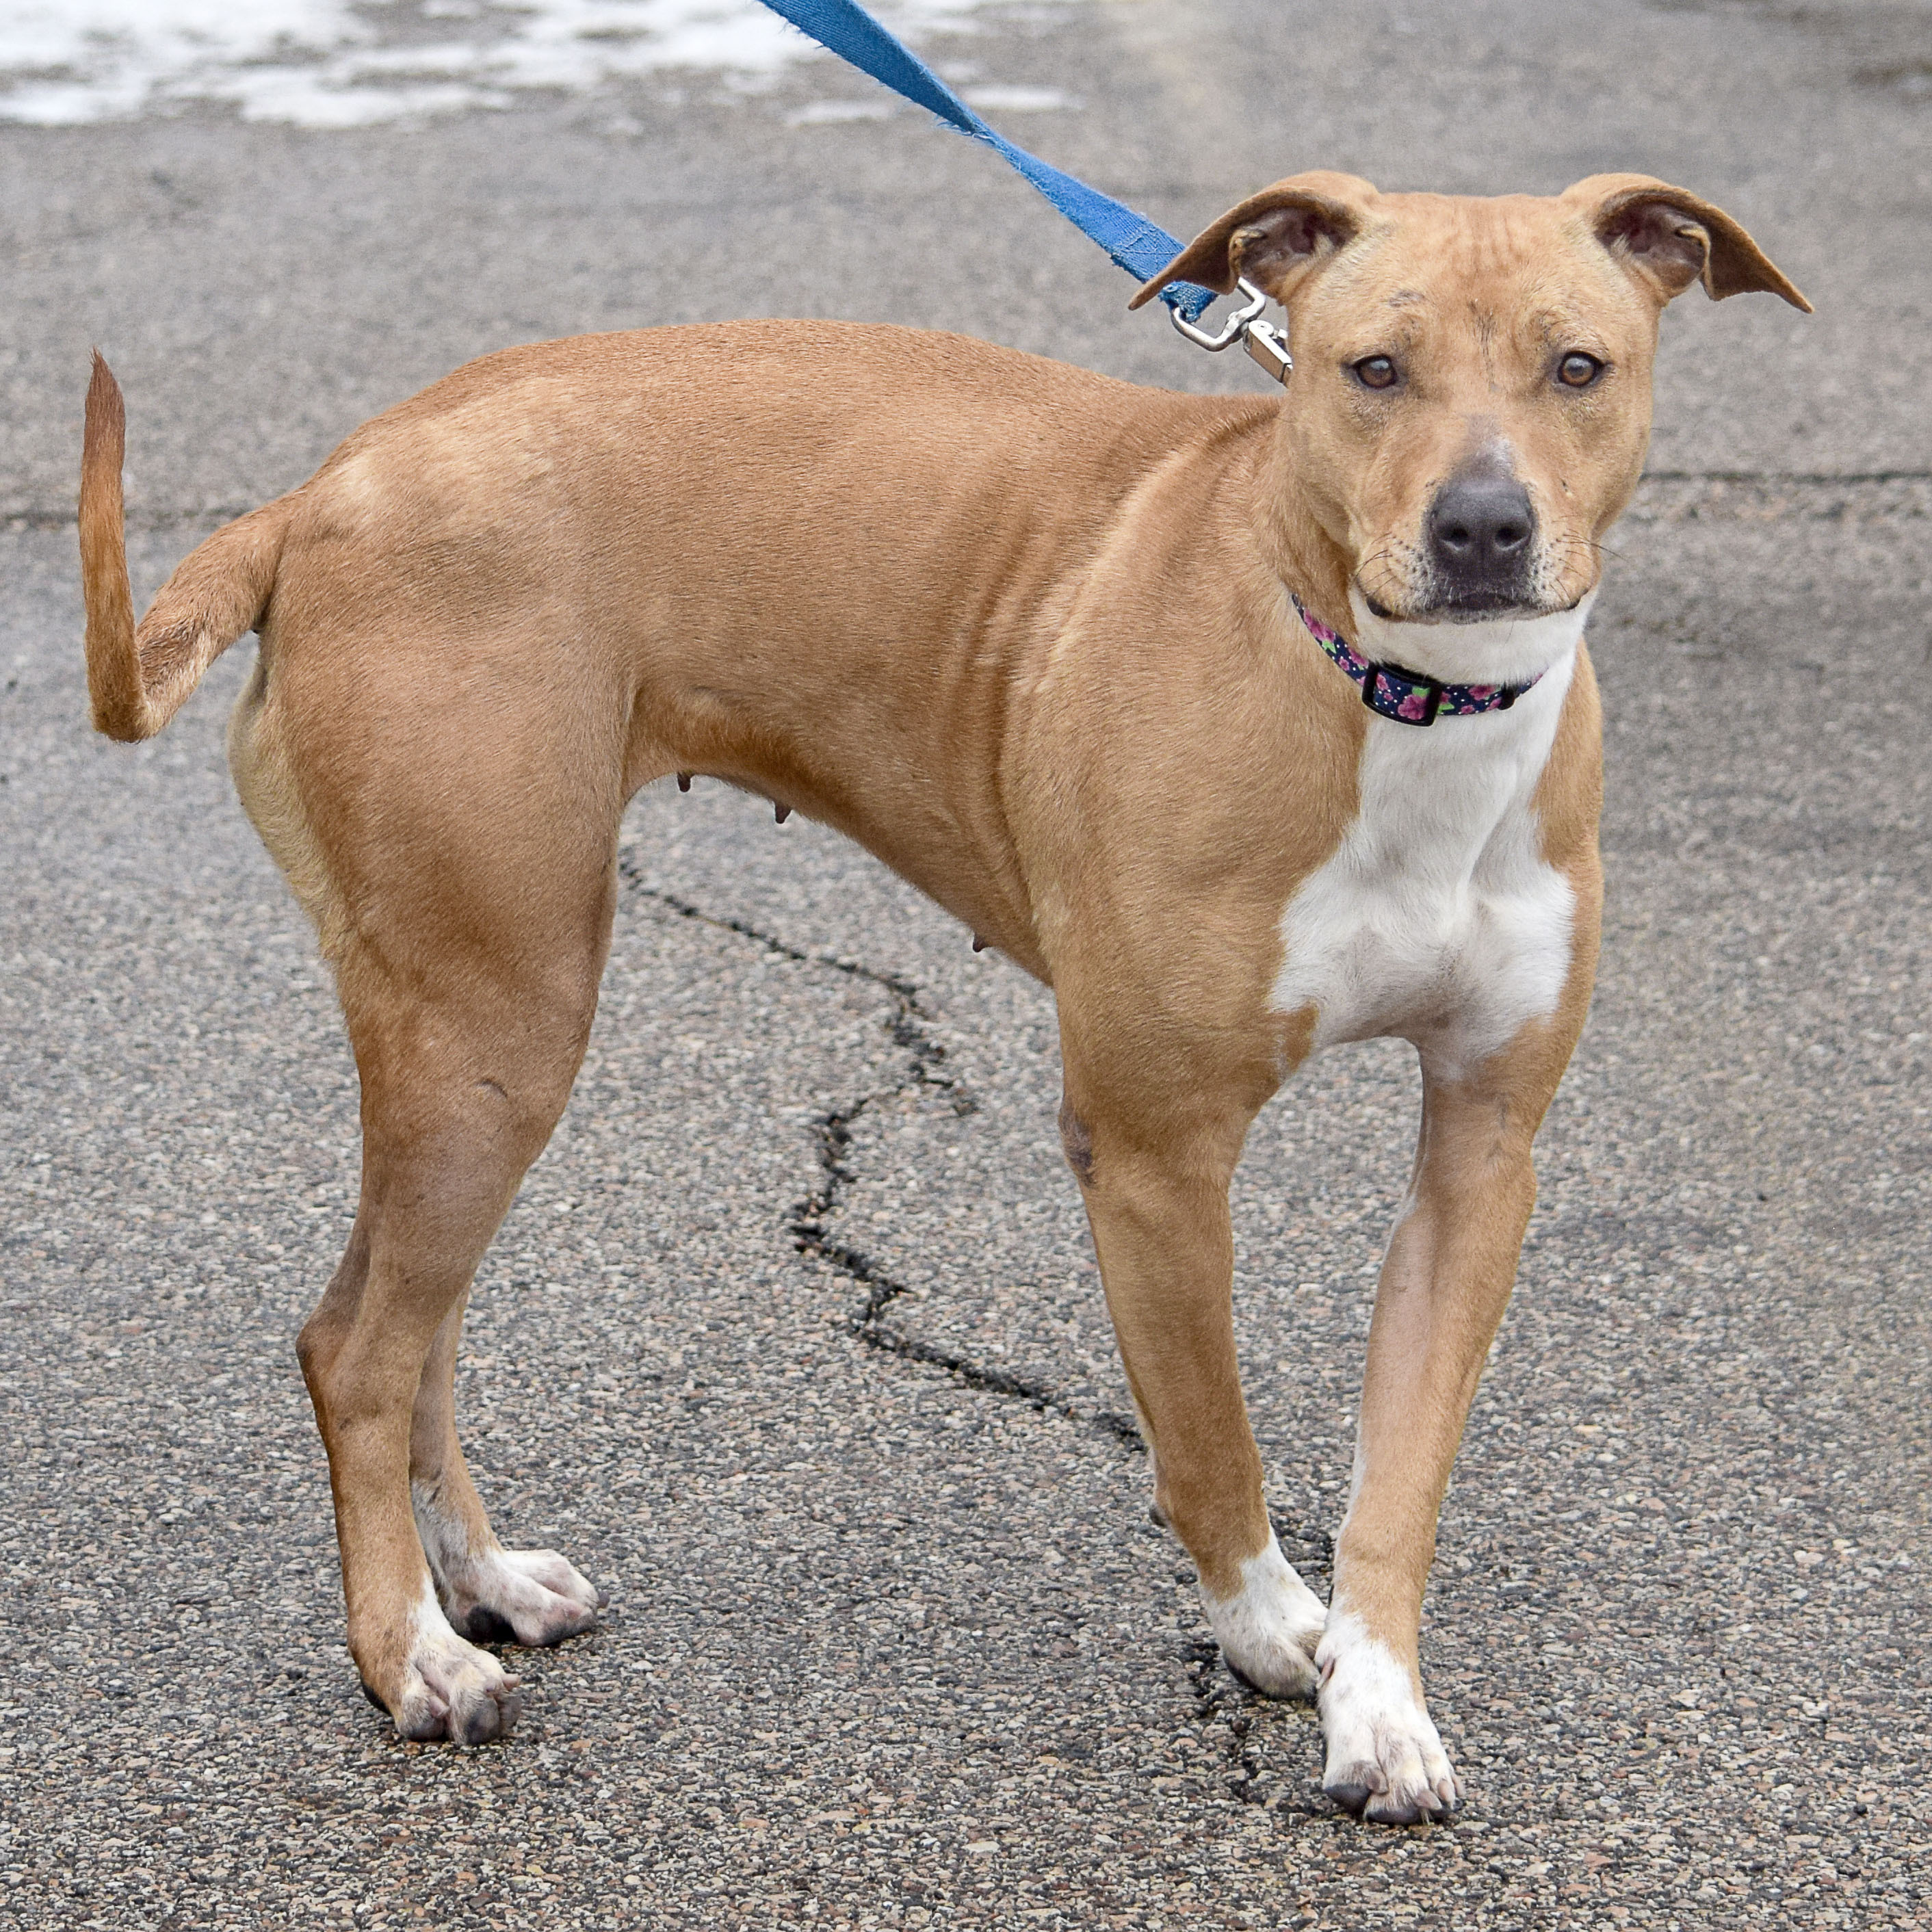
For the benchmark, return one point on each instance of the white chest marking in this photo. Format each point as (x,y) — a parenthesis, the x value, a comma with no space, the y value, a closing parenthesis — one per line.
(1437,918)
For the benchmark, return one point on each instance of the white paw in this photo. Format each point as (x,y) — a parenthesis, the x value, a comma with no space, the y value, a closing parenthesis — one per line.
(1268,1629)
(1385,1758)
(450,1689)
(534,1595)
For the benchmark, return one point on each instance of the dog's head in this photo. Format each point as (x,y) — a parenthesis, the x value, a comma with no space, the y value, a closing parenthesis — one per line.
(1471,399)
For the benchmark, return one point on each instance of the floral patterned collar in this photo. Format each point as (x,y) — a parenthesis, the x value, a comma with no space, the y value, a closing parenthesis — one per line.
(1409,697)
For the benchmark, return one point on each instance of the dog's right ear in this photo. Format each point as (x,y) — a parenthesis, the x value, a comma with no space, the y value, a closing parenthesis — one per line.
(1272,238)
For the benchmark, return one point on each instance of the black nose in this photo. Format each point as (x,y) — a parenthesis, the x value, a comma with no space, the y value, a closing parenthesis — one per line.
(1479,532)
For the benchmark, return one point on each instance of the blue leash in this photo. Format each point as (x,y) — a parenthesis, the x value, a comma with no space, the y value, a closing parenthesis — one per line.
(1135,243)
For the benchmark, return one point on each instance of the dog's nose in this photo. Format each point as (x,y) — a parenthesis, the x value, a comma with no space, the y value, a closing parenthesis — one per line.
(1479,532)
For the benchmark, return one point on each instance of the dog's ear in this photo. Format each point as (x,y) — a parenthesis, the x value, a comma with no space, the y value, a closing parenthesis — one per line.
(1669,239)
(1272,238)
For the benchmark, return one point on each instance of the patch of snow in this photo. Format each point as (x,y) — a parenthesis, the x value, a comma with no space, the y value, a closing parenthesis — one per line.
(336,63)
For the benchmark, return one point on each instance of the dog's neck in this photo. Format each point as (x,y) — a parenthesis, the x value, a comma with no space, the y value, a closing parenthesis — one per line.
(1300,552)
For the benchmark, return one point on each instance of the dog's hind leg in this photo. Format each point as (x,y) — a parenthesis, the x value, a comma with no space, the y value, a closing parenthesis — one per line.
(461,1088)
(489,1593)
(465,856)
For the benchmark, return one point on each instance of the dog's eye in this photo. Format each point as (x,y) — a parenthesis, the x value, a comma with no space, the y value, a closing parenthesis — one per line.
(1577,371)
(1376,372)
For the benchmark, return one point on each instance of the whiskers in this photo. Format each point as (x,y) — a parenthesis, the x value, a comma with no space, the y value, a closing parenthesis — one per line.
(1568,564)
(1393,574)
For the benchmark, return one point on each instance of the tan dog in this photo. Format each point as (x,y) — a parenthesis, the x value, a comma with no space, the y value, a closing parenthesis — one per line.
(1032,637)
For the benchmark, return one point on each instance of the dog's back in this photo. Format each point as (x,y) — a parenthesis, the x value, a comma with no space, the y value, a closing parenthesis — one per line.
(668,524)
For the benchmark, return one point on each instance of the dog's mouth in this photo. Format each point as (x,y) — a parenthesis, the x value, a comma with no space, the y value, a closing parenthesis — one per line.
(1490,640)
(1468,607)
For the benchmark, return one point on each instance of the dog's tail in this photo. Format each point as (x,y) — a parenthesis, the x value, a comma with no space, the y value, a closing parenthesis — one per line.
(138,679)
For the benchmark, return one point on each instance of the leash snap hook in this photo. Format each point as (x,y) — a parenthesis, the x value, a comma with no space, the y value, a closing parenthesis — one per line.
(1266,344)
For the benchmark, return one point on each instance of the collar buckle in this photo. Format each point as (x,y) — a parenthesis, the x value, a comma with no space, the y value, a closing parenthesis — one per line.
(1393,700)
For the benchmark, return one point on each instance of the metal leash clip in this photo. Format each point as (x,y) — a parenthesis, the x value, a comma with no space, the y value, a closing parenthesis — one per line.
(1264,342)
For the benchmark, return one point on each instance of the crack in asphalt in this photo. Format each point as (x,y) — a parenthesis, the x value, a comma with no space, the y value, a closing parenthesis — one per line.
(1823,476)
(1221,1697)
(808,1221)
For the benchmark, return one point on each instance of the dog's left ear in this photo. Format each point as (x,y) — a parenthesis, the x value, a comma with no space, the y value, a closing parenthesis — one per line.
(1669,238)
(1272,238)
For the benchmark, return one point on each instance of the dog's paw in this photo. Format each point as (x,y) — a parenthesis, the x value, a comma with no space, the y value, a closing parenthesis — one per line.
(530,1597)
(448,1688)
(1385,1758)
(1268,1629)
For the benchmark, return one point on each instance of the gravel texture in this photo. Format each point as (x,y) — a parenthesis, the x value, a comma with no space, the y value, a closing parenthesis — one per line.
(794,1341)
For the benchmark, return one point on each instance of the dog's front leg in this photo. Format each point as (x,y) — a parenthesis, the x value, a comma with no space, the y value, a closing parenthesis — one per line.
(1444,1283)
(1155,1174)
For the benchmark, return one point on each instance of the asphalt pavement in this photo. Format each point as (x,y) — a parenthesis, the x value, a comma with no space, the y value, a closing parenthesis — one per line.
(794,1341)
